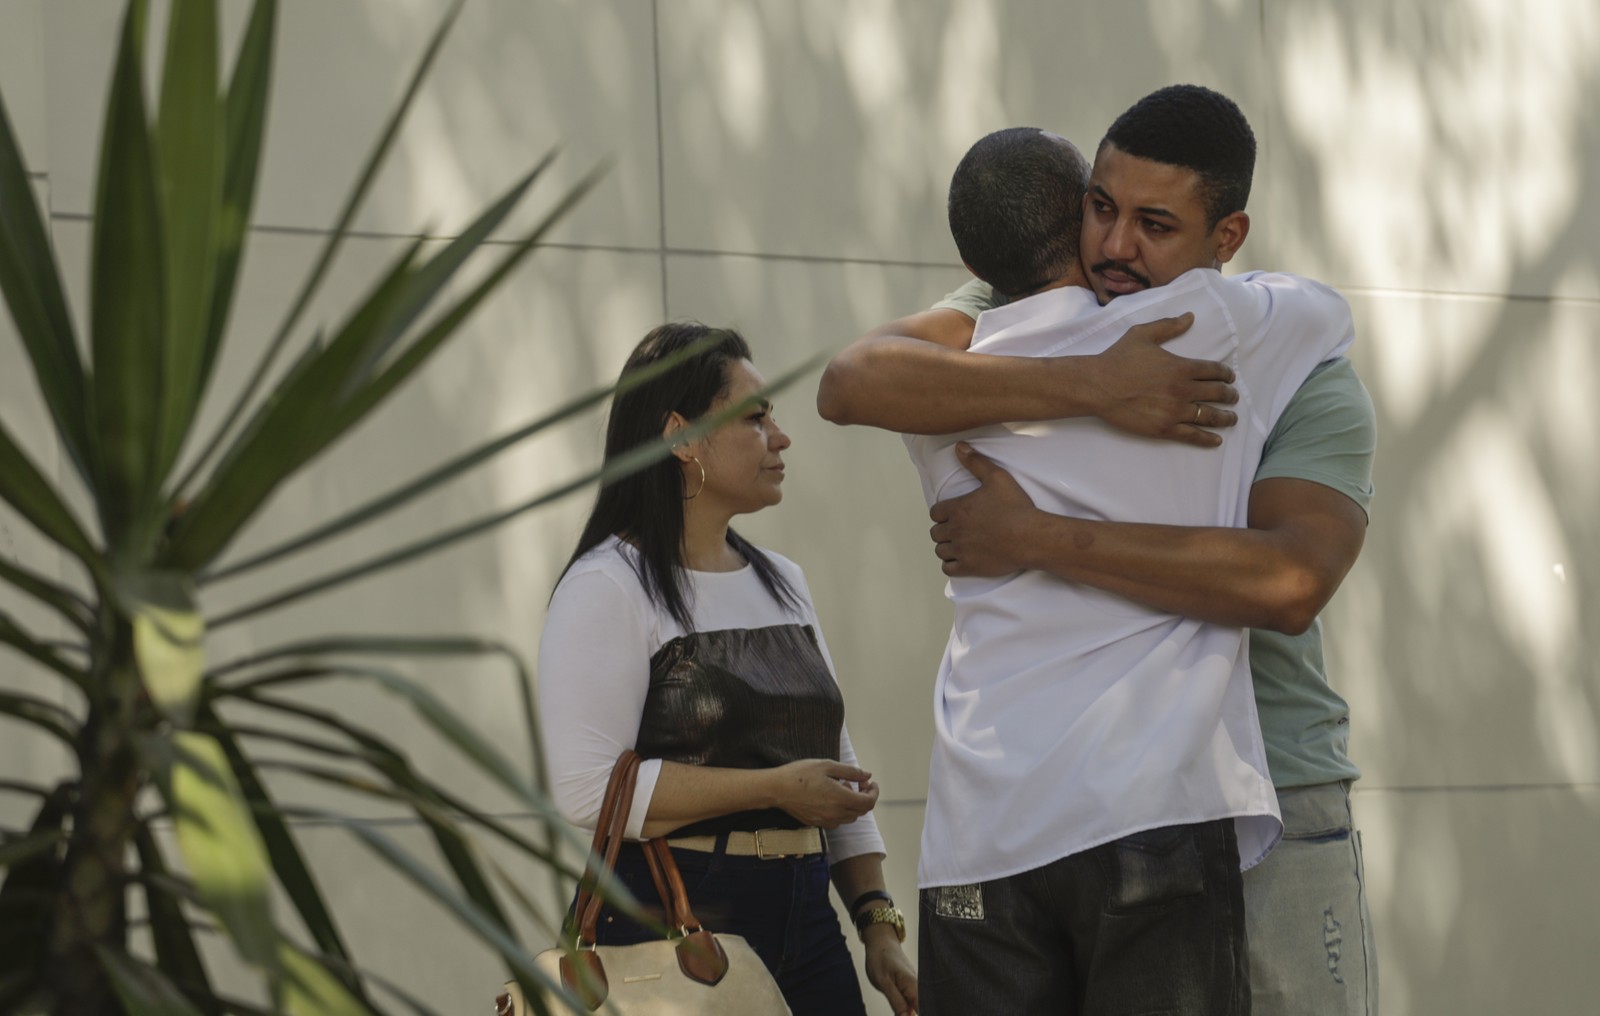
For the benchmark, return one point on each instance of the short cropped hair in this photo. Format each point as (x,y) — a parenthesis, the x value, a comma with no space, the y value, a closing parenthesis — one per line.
(1195,128)
(1016,207)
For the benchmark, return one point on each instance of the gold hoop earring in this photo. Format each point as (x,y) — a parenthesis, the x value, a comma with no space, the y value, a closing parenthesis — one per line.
(697,490)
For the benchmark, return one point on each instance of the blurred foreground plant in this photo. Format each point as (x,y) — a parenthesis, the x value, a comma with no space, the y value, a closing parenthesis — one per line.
(160,740)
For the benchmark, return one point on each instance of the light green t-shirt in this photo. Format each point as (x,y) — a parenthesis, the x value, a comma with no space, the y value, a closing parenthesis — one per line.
(1328,435)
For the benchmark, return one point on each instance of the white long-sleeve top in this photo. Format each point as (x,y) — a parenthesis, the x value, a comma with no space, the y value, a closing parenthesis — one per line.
(594,674)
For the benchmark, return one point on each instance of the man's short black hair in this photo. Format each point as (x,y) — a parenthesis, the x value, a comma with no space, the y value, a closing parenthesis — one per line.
(1195,128)
(1016,207)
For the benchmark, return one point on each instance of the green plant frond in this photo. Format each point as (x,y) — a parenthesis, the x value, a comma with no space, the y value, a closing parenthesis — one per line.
(29,846)
(12,634)
(307,988)
(426,646)
(176,954)
(428,343)
(454,844)
(74,608)
(168,640)
(261,460)
(245,119)
(38,790)
(319,270)
(27,899)
(46,716)
(377,645)
(383,756)
(144,990)
(220,844)
(31,283)
(430,279)
(455,467)
(128,308)
(286,432)
(408,787)
(189,138)
(348,972)
(288,863)
(345,970)
(316,403)
(448,724)
(470,916)
(639,458)
(537,914)
(24,487)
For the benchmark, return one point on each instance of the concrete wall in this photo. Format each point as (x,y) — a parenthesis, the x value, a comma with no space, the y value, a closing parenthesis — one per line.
(780,166)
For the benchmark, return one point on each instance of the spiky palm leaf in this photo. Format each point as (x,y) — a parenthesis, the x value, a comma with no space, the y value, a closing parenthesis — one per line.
(172,209)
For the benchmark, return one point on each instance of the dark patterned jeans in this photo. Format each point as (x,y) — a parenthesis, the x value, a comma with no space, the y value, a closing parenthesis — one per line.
(1148,925)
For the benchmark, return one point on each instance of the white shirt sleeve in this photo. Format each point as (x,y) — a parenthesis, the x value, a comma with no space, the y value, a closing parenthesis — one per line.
(594,673)
(1297,324)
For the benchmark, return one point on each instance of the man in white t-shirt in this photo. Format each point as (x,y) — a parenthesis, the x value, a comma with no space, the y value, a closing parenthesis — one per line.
(1098,774)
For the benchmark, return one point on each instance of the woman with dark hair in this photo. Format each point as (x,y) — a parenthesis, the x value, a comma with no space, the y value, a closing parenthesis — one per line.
(671,634)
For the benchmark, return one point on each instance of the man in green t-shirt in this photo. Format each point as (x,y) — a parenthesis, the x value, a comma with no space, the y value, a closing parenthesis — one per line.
(1306,912)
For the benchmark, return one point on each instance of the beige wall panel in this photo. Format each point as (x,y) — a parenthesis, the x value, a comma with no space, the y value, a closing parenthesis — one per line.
(1483,901)
(1465,637)
(853,515)
(560,327)
(1436,145)
(831,128)
(22,77)
(513,81)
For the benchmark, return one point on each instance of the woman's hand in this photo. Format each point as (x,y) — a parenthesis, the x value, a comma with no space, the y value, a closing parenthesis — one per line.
(823,793)
(889,970)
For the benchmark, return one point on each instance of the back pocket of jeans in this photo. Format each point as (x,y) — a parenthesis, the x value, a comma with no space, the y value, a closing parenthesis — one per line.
(1155,868)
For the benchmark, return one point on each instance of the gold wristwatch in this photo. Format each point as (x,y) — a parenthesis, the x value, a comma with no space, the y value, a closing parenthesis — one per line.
(889,915)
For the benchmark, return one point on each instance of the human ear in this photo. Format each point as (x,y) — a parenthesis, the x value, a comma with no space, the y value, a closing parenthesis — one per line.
(1229,235)
(676,423)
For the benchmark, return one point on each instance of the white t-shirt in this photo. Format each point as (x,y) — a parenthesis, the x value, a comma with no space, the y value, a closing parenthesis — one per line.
(594,673)
(1067,717)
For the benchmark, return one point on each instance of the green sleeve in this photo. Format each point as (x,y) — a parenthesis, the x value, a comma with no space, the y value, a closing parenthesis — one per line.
(1327,434)
(971,299)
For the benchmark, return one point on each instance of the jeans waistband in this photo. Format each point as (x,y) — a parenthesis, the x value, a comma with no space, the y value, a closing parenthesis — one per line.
(1316,810)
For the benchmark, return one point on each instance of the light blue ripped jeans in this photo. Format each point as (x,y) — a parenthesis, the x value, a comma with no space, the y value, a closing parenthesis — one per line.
(1311,950)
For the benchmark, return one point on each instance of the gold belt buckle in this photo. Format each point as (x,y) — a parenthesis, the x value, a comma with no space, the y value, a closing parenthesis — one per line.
(761,848)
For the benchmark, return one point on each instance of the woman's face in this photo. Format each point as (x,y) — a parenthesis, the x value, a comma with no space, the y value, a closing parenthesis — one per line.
(742,459)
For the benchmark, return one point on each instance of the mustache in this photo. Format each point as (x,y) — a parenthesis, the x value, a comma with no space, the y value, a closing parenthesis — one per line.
(1117,266)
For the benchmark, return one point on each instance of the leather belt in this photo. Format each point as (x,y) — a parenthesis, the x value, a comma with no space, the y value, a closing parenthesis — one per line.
(763,843)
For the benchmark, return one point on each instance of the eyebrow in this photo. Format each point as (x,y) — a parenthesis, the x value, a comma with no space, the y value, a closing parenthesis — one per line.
(1142,209)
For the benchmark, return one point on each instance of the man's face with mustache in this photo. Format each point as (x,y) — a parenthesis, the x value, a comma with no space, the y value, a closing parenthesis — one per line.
(1145,224)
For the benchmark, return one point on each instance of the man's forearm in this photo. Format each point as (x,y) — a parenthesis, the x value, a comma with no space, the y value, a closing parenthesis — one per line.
(1238,577)
(914,376)
(1277,574)
(913,386)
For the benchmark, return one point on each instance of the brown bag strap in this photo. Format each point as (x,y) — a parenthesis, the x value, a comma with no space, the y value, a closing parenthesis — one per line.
(608,835)
(700,955)
(669,883)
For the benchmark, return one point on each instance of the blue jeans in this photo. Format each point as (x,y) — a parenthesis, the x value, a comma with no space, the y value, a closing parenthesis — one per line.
(1149,924)
(780,906)
(1311,951)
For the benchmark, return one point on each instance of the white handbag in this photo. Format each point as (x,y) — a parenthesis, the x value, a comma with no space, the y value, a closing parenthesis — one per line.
(697,973)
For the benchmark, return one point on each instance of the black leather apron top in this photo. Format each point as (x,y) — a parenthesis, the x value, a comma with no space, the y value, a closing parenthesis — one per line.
(741,699)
